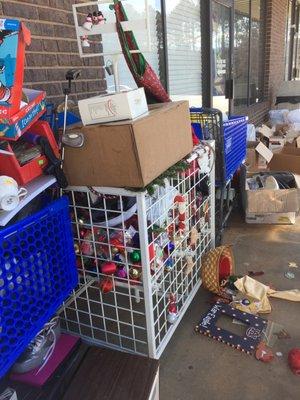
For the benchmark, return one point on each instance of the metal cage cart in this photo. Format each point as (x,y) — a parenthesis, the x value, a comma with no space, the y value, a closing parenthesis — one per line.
(231,147)
(139,257)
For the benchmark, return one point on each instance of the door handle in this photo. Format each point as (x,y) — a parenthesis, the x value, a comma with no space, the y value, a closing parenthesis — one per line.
(229,89)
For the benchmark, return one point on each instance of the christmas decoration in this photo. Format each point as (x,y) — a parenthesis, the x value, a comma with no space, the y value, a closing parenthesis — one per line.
(106,285)
(134,274)
(108,268)
(121,272)
(85,42)
(88,24)
(247,343)
(263,353)
(294,360)
(135,256)
(172,309)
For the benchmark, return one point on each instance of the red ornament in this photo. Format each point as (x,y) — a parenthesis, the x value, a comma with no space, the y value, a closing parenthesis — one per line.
(108,268)
(263,353)
(294,361)
(106,285)
(224,268)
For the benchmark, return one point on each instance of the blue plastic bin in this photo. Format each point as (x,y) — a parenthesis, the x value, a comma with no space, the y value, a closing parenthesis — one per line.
(37,273)
(230,137)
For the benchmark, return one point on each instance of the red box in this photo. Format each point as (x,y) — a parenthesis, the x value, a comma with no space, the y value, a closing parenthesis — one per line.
(14,37)
(9,164)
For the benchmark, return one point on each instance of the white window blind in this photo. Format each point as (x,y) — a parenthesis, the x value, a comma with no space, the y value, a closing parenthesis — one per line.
(184,49)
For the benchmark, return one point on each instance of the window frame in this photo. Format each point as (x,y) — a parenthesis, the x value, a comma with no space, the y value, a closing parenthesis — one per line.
(249,104)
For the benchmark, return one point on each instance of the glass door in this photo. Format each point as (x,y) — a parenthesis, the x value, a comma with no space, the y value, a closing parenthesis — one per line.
(222,34)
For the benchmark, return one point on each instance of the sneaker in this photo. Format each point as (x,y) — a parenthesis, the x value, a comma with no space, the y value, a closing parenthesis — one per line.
(39,349)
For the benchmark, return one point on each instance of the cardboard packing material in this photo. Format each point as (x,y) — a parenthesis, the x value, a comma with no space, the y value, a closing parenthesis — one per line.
(256,152)
(131,153)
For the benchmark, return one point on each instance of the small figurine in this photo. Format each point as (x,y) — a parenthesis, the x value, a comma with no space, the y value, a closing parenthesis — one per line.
(172,310)
(85,42)
(101,19)
(88,24)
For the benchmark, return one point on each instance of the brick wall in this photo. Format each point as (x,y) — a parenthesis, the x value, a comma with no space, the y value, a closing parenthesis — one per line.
(54,48)
(276,15)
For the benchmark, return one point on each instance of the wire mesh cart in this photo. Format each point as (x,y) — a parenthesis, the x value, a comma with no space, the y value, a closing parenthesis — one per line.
(231,146)
(139,257)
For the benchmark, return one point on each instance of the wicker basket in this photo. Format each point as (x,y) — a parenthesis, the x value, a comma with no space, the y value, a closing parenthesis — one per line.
(210,268)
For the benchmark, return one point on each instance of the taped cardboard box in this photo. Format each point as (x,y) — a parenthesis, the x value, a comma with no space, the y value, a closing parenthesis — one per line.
(131,153)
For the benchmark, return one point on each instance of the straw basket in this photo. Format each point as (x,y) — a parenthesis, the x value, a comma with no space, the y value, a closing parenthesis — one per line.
(210,269)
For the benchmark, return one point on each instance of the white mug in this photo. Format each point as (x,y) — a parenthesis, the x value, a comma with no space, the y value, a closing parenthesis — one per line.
(10,194)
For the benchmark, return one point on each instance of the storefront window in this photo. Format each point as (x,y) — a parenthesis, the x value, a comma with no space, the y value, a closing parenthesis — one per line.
(184,50)
(248,52)
(241,52)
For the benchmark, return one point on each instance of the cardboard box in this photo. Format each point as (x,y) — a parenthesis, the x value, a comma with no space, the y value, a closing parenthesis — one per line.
(113,107)
(266,201)
(255,160)
(131,153)
(275,218)
(287,160)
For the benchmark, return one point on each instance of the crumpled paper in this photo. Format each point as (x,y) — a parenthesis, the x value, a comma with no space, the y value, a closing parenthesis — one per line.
(260,292)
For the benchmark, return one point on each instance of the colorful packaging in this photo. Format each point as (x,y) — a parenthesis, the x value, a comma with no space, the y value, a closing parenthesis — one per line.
(14,37)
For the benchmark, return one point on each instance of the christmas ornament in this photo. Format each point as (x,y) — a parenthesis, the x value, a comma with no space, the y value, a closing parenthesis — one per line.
(169,264)
(76,248)
(85,42)
(189,264)
(194,237)
(108,268)
(172,310)
(180,213)
(121,272)
(88,22)
(169,248)
(117,257)
(263,353)
(135,256)
(95,18)
(151,250)
(294,360)
(101,19)
(106,285)
(134,274)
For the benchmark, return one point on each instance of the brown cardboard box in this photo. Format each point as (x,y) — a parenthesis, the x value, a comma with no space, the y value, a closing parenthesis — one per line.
(255,160)
(266,201)
(287,160)
(131,153)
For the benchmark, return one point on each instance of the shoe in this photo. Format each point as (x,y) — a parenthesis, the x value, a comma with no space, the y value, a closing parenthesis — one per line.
(39,349)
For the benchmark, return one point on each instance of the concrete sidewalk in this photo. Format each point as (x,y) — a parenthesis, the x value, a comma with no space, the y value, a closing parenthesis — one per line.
(194,367)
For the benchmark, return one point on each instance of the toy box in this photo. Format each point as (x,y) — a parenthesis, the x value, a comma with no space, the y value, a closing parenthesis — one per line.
(14,36)
(12,128)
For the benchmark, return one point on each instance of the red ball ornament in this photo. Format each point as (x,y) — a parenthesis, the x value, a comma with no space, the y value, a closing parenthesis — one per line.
(106,285)
(294,361)
(108,268)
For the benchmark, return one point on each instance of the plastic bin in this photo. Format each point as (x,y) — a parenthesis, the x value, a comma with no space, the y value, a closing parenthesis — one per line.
(230,137)
(38,272)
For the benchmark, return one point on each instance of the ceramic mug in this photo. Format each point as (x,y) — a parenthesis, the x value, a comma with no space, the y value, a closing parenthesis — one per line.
(10,194)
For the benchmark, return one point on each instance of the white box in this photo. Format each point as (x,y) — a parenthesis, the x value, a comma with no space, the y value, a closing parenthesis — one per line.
(113,107)
(288,218)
